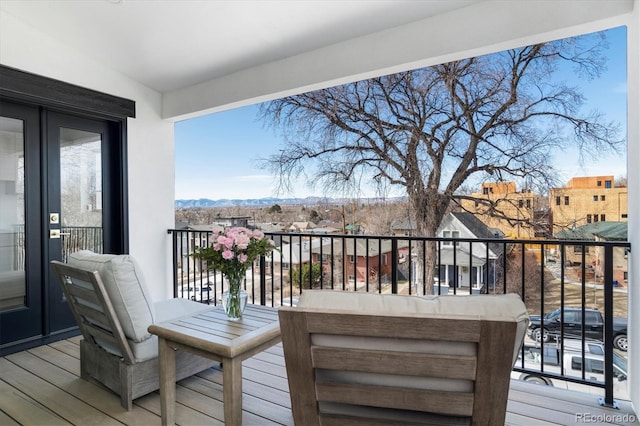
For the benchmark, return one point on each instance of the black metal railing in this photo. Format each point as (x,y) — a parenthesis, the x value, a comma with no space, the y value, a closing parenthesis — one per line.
(74,238)
(547,274)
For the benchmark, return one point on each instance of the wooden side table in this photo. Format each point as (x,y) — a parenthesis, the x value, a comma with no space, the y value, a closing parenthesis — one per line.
(210,334)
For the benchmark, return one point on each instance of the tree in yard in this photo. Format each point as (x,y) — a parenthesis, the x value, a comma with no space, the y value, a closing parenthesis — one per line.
(431,130)
(275,209)
(523,276)
(311,274)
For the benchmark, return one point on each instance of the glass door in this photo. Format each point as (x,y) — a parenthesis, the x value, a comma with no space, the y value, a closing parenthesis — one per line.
(20,265)
(74,197)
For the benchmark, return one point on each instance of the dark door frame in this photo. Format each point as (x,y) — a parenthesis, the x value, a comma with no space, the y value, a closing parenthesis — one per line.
(47,95)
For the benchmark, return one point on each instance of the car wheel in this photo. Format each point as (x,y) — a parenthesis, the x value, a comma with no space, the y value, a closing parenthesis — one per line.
(537,380)
(541,335)
(620,342)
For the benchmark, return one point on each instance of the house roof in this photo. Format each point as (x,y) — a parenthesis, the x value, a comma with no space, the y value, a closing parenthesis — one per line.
(403,224)
(610,231)
(374,247)
(475,225)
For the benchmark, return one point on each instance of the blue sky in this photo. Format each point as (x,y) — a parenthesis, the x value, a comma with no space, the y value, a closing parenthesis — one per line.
(216,155)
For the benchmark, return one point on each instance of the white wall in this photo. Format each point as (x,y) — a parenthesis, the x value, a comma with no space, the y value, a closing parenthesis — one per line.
(633,170)
(151,140)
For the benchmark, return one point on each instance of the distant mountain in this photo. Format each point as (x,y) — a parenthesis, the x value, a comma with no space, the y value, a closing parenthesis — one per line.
(254,202)
(270,201)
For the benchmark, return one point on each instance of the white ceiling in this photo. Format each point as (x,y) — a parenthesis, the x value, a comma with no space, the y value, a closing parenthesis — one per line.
(171,44)
(204,56)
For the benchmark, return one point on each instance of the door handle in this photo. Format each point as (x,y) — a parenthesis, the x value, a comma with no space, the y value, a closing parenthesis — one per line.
(55,233)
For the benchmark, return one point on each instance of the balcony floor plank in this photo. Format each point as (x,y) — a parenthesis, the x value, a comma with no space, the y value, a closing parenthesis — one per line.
(18,408)
(42,386)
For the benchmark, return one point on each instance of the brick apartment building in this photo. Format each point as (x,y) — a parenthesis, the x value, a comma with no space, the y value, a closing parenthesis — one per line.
(526,210)
(587,200)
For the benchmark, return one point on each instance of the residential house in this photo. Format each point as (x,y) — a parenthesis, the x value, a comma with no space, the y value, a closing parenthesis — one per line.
(63,68)
(594,255)
(403,227)
(467,264)
(301,226)
(587,199)
(364,260)
(294,253)
(232,221)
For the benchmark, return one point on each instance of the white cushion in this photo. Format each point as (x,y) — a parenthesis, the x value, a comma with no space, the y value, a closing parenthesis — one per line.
(166,310)
(126,288)
(175,308)
(501,307)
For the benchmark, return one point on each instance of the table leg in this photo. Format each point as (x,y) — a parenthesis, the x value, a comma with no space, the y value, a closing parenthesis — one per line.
(167,369)
(232,391)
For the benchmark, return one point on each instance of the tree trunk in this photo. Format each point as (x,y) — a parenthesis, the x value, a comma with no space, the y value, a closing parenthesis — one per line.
(428,209)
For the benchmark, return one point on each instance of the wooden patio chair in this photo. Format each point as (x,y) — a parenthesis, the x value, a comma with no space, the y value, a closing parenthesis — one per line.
(367,359)
(112,307)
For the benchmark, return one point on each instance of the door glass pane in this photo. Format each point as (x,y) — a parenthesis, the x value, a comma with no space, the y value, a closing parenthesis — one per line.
(81,191)
(12,264)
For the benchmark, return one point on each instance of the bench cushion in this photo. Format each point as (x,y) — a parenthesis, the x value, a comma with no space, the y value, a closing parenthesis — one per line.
(497,307)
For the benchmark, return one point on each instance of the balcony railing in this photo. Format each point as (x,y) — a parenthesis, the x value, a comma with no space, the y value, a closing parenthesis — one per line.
(74,238)
(547,274)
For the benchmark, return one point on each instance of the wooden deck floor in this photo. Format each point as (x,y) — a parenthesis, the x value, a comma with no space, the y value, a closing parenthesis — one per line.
(42,387)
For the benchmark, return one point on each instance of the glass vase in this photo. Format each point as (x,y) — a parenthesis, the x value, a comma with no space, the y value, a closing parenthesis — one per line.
(235,300)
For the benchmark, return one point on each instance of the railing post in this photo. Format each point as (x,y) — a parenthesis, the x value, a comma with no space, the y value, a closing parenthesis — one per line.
(394,266)
(263,281)
(175,261)
(608,328)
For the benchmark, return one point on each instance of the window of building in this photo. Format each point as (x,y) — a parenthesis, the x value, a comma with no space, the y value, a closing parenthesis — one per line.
(602,218)
(624,215)
(449,234)
(566,200)
(528,204)
(485,191)
(595,217)
(602,198)
(595,198)
(520,203)
(588,218)
(607,184)
(384,259)
(599,183)
(557,201)
(351,259)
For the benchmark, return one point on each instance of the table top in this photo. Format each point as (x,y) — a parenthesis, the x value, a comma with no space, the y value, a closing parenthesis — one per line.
(211,331)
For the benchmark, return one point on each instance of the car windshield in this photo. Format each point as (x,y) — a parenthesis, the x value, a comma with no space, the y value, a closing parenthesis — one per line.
(553,314)
(620,362)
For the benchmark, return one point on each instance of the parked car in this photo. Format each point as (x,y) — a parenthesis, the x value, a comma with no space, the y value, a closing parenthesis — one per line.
(572,363)
(551,326)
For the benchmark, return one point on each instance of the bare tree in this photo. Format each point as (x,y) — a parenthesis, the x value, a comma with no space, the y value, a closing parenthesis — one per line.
(430,130)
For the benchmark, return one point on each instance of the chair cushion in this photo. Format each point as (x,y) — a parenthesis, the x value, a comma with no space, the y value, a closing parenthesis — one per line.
(165,310)
(126,288)
(498,307)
